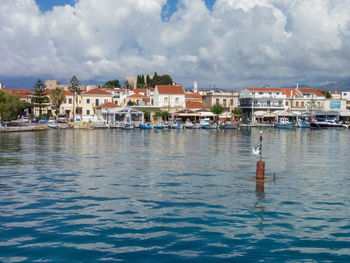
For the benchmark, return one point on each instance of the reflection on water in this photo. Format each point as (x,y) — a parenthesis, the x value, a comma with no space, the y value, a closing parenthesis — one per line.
(112,195)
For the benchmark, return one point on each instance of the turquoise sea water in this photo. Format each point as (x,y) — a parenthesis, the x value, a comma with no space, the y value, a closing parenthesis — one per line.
(174,196)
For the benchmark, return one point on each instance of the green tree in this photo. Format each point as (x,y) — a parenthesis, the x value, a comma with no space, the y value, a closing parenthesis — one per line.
(10,106)
(217,109)
(147,115)
(75,89)
(127,85)
(112,84)
(161,114)
(148,80)
(39,99)
(57,97)
(237,111)
(326,93)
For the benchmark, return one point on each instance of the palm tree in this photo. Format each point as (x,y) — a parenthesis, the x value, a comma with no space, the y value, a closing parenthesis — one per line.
(57,97)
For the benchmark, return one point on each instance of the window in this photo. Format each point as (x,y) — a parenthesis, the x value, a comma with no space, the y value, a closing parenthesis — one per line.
(116,102)
(97,102)
(302,104)
(268,103)
(70,101)
(177,100)
(166,100)
(297,104)
(231,102)
(88,101)
(106,100)
(261,93)
(217,101)
(152,101)
(286,103)
(87,112)
(65,101)
(224,102)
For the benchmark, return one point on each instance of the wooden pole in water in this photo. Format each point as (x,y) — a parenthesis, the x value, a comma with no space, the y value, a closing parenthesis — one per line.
(260,165)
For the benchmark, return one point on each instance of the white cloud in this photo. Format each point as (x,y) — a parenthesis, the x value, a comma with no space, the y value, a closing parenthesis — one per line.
(239,42)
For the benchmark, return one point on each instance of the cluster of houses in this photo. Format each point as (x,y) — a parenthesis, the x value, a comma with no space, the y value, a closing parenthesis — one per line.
(262,105)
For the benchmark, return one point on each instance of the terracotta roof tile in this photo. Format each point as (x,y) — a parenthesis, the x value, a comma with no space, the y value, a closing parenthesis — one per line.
(310,90)
(169,89)
(97,91)
(137,96)
(195,105)
(139,90)
(193,96)
(109,105)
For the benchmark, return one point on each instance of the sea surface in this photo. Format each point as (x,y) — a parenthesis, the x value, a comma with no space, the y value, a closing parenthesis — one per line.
(174,196)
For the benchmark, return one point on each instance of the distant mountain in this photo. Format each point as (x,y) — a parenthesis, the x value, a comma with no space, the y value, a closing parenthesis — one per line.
(342,85)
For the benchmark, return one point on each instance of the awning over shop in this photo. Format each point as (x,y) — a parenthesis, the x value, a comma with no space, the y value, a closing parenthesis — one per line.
(285,113)
(225,115)
(264,114)
(188,114)
(206,114)
(345,113)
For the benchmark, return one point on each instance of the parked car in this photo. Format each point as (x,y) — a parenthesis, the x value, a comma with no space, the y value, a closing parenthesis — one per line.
(25,119)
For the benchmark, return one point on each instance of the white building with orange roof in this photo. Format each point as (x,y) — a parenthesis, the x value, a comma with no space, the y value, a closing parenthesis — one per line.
(89,100)
(169,97)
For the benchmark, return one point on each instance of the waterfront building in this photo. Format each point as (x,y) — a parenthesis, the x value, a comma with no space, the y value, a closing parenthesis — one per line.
(260,102)
(169,96)
(111,114)
(89,100)
(227,99)
(66,108)
(305,99)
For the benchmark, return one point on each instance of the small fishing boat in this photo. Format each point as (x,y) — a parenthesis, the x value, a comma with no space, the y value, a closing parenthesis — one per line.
(175,125)
(146,126)
(53,124)
(284,123)
(228,125)
(191,125)
(303,121)
(128,126)
(159,125)
(326,123)
(205,124)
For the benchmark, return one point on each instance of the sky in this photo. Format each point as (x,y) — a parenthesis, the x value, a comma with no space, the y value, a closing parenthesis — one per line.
(227,43)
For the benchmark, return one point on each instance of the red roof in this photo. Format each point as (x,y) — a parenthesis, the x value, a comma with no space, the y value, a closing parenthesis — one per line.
(193,96)
(137,96)
(139,90)
(97,91)
(195,105)
(169,89)
(109,105)
(310,90)
(20,91)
